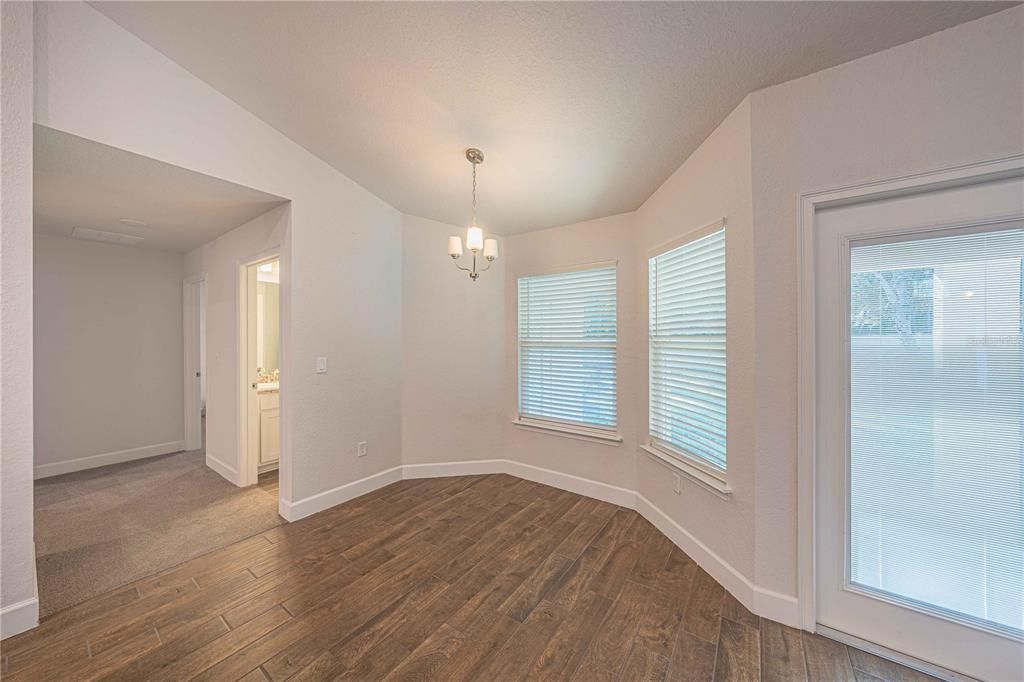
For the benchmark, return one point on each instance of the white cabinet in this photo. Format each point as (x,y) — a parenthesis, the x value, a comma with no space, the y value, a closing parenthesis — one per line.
(270,427)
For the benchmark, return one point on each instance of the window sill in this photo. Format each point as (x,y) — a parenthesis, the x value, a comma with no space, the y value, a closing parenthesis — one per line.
(566,431)
(691,471)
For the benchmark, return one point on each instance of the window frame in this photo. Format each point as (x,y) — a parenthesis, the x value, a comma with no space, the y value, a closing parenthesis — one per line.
(571,429)
(696,468)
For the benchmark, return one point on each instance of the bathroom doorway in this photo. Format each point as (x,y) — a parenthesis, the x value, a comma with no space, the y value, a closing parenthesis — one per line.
(263,370)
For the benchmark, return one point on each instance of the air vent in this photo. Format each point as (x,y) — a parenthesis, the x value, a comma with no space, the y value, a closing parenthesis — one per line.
(109,237)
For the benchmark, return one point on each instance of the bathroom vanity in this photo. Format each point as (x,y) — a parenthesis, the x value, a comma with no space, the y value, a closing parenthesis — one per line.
(268,397)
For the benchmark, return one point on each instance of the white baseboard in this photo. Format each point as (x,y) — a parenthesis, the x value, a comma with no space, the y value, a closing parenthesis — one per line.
(222,468)
(21,616)
(557,479)
(773,605)
(474,467)
(293,511)
(103,459)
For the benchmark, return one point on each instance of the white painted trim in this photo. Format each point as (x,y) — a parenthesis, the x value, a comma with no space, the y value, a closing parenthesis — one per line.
(576,484)
(579,432)
(691,469)
(191,304)
(895,656)
(474,467)
(767,603)
(690,236)
(23,615)
(293,511)
(105,458)
(810,203)
(19,617)
(228,472)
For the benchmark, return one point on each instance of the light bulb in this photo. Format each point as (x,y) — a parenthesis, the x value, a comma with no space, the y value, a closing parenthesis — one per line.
(474,239)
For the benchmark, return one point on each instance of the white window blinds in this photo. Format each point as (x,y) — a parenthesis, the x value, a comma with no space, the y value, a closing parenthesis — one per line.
(687,349)
(937,424)
(567,338)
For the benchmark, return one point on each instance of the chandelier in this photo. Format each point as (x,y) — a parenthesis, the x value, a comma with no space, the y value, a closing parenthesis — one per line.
(475,241)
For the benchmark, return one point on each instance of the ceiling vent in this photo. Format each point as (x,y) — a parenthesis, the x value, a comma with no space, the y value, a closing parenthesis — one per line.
(109,237)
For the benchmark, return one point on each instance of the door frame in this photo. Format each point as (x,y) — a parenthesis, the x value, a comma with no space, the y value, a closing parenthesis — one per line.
(191,291)
(248,426)
(810,204)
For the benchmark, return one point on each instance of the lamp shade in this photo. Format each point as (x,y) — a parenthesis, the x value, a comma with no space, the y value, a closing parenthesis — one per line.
(474,238)
(490,249)
(454,246)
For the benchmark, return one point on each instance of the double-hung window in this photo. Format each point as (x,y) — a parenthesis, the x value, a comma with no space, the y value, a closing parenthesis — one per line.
(687,351)
(567,343)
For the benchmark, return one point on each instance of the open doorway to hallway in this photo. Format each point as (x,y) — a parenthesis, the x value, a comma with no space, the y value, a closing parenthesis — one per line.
(134,343)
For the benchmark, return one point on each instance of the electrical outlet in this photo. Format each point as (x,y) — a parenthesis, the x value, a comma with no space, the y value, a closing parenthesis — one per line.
(361,449)
(676,485)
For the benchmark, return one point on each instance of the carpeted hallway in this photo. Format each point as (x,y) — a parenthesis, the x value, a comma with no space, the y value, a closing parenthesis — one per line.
(101,528)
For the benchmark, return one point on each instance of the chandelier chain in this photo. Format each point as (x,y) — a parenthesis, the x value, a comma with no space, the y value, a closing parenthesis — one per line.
(474,194)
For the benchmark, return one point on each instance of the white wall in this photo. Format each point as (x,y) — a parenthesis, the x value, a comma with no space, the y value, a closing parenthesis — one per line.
(19,608)
(453,350)
(108,353)
(345,244)
(951,98)
(219,261)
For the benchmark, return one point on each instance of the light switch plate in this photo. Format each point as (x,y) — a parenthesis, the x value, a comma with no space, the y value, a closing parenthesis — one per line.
(321,365)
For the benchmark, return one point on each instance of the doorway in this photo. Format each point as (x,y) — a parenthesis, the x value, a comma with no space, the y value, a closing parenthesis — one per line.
(919,424)
(194,298)
(262,369)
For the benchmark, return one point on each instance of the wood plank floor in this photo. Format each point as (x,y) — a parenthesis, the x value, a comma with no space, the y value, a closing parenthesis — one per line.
(470,578)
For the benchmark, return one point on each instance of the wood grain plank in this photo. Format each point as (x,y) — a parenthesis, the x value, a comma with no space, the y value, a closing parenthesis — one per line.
(693,659)
(526,645)
(567,646)
(782,653)
(643,665)
(607,652)
(704,609)
(739,653)
(826,659)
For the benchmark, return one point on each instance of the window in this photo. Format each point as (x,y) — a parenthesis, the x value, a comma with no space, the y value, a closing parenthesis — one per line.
(567,339)
(936,424)
(687,351)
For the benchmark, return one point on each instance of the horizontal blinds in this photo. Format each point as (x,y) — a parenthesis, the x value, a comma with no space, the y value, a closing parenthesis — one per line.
(567,338)
(687,348)
(937,424)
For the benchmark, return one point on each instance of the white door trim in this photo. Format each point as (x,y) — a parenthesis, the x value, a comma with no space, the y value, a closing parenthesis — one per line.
(190,325)
(248,472)
(810,203)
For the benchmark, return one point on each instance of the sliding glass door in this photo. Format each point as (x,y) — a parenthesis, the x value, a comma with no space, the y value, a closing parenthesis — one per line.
(920,543)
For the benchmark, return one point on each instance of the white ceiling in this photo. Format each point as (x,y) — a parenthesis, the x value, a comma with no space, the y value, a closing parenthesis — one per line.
(582,109)
(82,183)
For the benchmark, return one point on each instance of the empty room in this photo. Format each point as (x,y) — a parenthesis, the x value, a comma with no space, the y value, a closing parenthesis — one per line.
(512,341)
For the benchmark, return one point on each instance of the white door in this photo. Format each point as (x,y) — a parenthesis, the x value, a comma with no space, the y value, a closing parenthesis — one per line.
(919,450)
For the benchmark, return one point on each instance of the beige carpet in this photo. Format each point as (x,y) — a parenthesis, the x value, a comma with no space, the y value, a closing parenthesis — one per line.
(101,528)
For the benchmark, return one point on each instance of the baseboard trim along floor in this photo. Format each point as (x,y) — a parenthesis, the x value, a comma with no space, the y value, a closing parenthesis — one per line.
(763,602)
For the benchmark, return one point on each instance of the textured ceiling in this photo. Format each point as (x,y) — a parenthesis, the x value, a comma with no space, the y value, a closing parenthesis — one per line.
(82,183)
(582,109)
